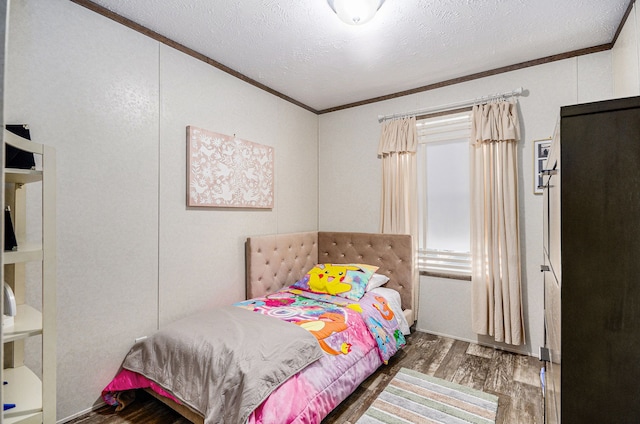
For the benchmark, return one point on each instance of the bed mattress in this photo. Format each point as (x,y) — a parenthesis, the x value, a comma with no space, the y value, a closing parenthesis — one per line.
(355,338)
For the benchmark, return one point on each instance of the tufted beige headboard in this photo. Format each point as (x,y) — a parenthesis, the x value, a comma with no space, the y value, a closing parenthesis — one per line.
(279,260)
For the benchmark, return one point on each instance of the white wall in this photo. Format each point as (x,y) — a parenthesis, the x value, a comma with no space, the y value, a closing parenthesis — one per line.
(350,177)
(212,259)
(131,256)
(626,58)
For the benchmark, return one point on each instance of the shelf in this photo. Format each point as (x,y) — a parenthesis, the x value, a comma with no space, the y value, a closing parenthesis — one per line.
(34,396)
(22,143)
(22,176)
(29,252)
(27,323)
(24,389)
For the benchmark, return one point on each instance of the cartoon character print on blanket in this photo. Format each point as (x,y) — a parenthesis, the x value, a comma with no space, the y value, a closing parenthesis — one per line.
(326,317)
(383,306)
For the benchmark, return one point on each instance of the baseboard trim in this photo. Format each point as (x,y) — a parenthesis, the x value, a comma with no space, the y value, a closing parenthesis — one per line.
(81,413)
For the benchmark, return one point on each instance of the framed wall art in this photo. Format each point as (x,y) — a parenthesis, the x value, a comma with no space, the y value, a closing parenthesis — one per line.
(540,155)
(224,171)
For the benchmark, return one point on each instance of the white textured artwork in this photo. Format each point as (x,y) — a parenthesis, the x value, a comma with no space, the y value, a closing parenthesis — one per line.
(227,172)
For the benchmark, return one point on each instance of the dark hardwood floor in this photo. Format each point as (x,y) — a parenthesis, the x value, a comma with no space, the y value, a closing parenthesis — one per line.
(514,378)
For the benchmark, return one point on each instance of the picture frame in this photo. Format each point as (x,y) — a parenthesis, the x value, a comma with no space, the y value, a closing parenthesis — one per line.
(224,171)
(540,155)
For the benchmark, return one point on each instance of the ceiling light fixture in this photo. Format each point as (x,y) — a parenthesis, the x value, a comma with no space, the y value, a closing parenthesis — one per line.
(355,12)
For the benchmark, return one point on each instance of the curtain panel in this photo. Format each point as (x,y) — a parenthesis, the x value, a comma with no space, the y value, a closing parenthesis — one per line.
(495,244)
(399,200)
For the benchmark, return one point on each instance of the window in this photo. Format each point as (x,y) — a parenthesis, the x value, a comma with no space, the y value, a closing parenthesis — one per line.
(443,187)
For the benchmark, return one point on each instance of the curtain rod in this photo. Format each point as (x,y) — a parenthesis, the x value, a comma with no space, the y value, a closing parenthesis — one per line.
(452,106)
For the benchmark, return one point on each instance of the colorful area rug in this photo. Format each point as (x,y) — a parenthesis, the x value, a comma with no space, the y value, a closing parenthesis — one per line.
(413,397)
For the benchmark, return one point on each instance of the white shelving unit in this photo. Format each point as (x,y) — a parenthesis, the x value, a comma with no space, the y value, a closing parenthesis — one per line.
(34,397)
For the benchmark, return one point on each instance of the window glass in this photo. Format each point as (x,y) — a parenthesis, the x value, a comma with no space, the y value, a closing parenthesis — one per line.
(443,185)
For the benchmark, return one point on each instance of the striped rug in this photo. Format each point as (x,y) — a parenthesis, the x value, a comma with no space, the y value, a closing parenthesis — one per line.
(412,397)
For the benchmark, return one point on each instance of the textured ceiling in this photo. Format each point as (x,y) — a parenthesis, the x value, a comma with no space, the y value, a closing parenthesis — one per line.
(300,49)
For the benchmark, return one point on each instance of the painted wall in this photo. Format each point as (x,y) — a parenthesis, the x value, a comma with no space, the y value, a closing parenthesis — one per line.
(350,177)
(131,256)
(626,57)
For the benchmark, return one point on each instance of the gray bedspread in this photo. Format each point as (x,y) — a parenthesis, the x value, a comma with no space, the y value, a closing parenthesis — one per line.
(223,363)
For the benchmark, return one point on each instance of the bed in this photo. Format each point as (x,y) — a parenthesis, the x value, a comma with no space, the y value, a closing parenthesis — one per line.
(322,366)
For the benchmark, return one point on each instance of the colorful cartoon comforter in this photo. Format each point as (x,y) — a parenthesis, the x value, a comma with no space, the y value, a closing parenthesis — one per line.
(356,337)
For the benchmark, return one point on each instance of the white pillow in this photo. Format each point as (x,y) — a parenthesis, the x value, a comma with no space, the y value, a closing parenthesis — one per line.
(393,299)
(376,280)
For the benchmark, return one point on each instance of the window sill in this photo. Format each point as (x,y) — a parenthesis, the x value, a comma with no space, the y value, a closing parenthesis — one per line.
(443,275)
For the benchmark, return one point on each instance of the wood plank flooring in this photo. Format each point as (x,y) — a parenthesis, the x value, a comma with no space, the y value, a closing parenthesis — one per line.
(514,378)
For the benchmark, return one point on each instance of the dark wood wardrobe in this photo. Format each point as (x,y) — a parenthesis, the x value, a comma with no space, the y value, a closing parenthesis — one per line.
(592,258)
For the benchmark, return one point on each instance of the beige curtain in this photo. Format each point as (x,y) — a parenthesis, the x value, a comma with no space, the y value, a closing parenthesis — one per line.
(397,148)
(495,245)
(399,211)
